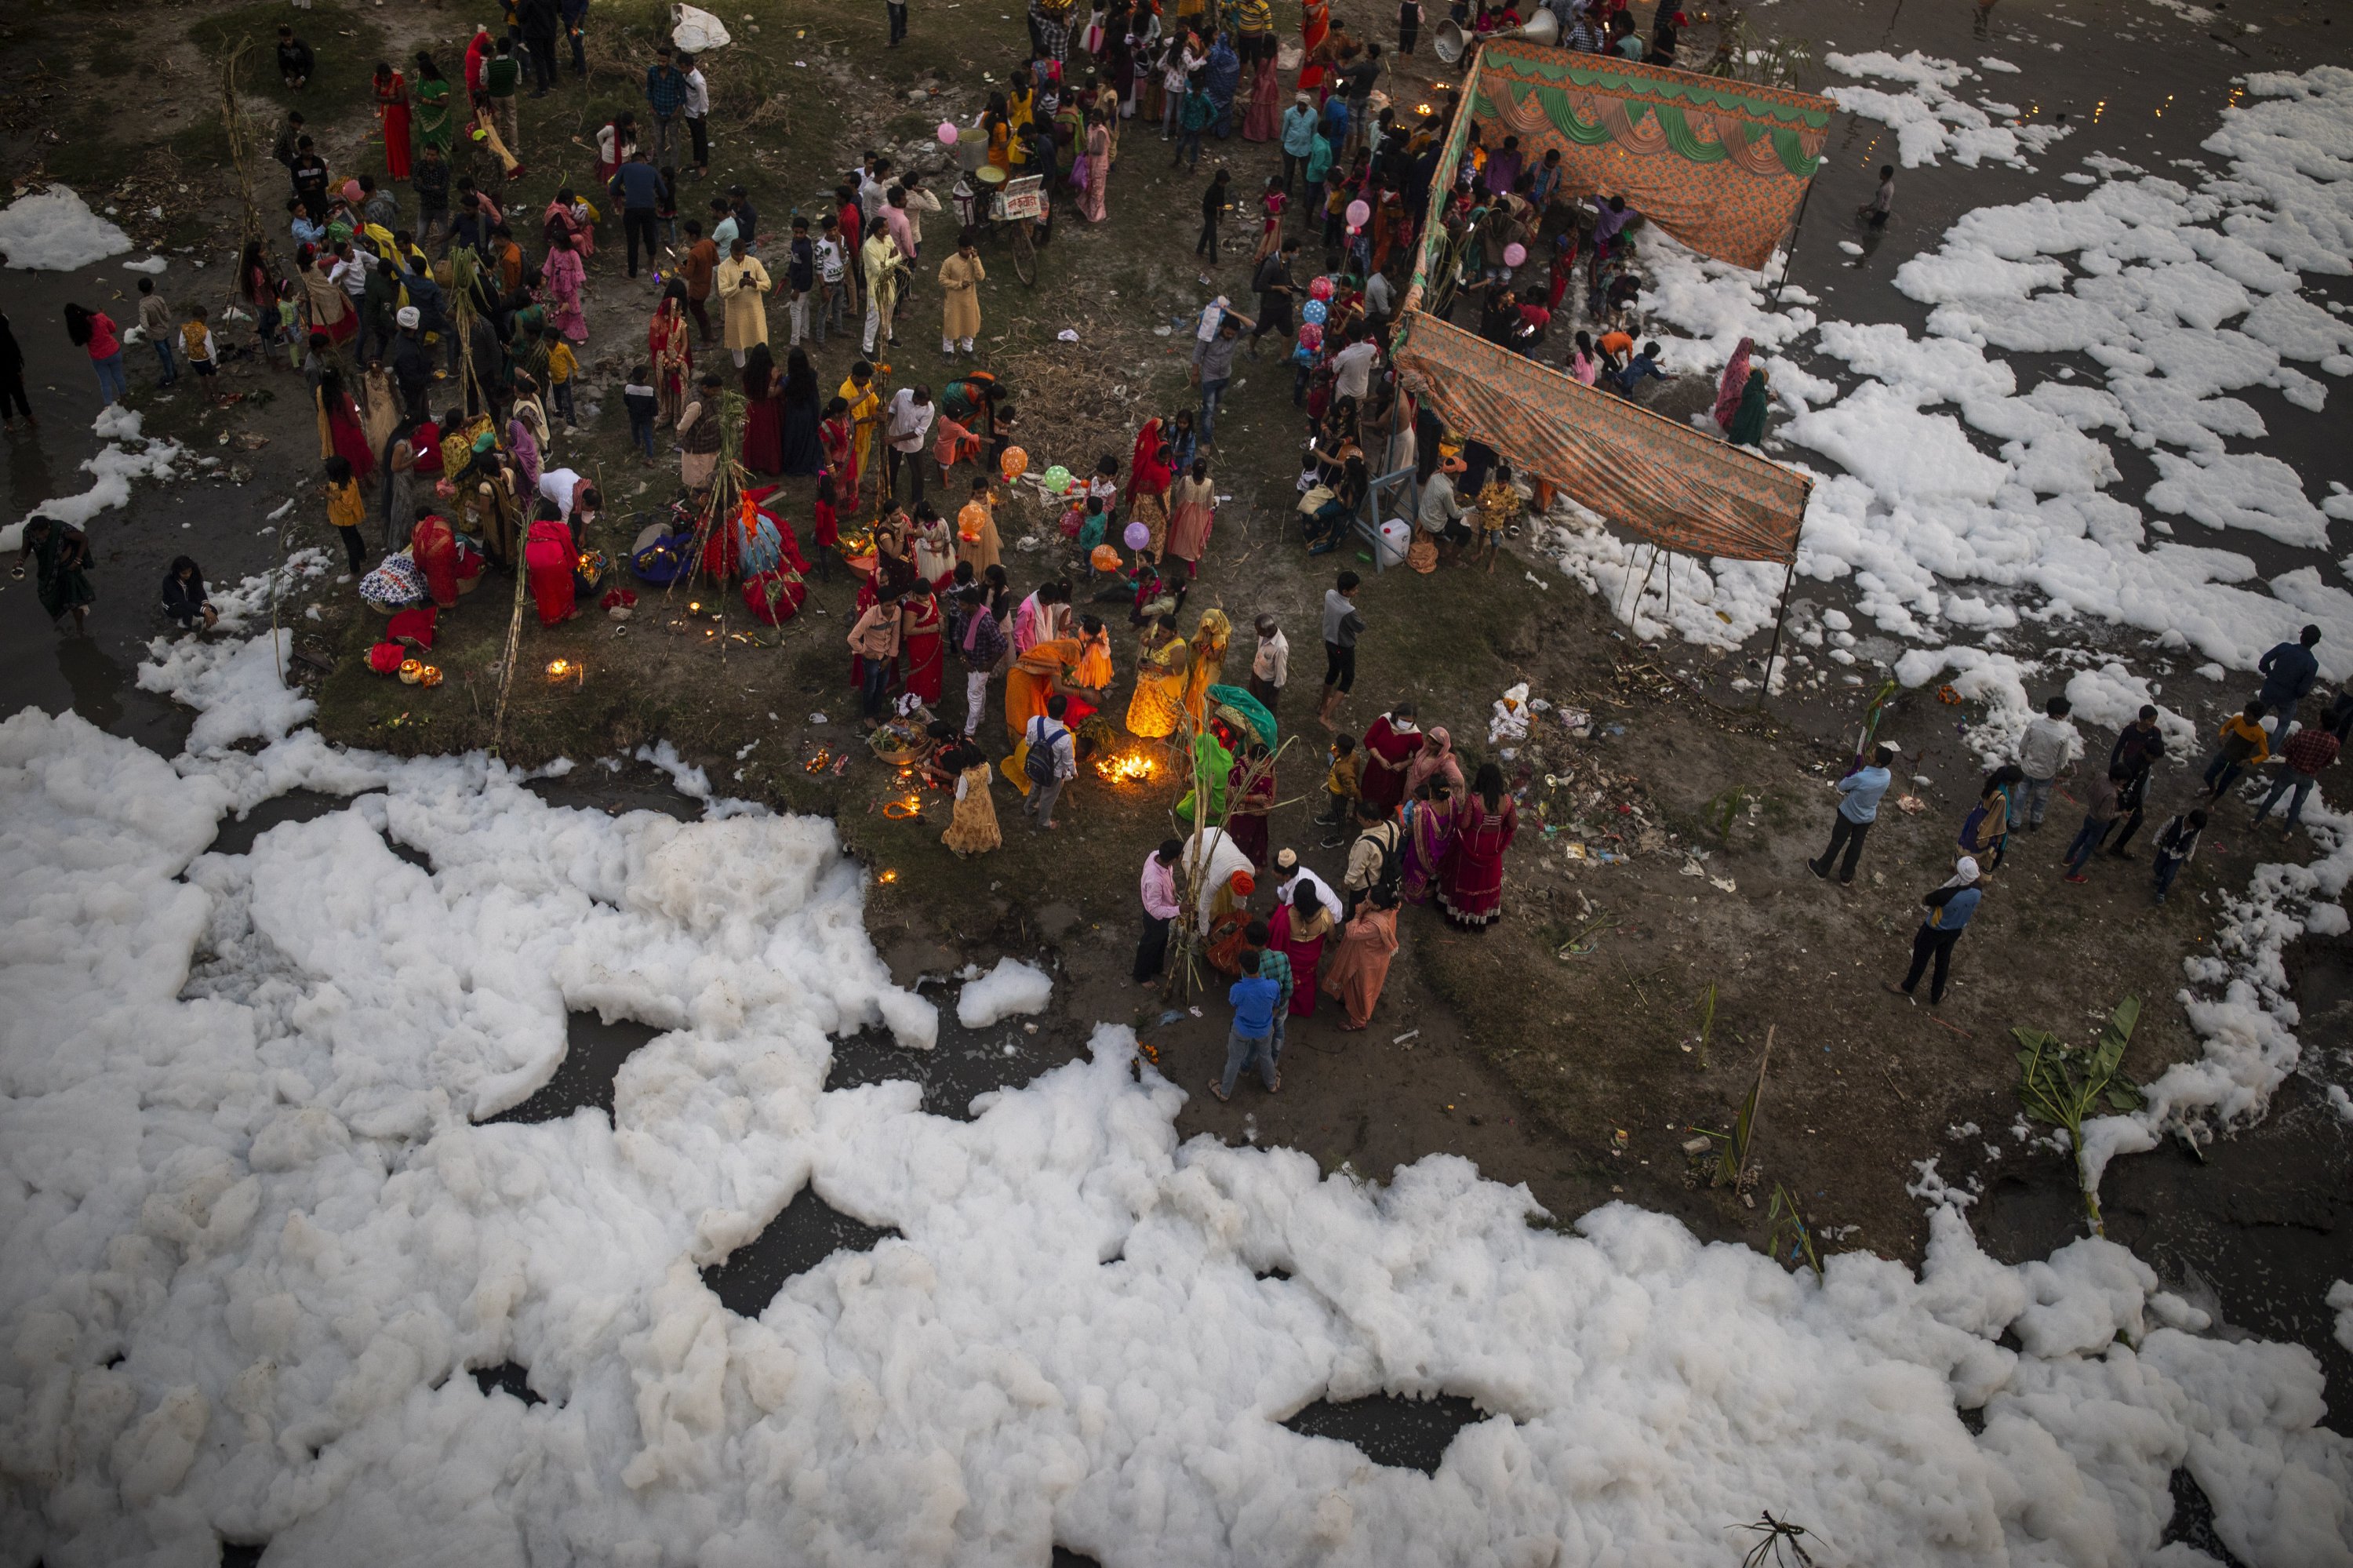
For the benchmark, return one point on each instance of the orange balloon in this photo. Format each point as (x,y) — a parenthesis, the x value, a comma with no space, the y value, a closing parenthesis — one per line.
(1015,463)
(1105,558)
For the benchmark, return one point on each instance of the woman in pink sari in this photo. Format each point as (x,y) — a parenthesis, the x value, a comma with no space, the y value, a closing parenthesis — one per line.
(1429,835)
(1266,91)
(1360,964)
(1435,759)
(1299,928)
(563,278)
(1098,167)
(1735,383)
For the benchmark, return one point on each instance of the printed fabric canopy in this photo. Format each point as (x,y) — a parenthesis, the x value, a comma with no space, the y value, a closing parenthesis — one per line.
(1722,165)
(1676,486)
(1666,481)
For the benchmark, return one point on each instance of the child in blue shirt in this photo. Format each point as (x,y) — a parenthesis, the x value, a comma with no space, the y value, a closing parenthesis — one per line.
(1252,1038)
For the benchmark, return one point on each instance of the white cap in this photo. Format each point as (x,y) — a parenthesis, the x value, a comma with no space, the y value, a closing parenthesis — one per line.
(409,315)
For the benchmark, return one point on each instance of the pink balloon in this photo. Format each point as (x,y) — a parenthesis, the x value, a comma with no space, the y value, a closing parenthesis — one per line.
(1515,253)
(1137,535)
(1359,214)
(1321,288)
(947,133)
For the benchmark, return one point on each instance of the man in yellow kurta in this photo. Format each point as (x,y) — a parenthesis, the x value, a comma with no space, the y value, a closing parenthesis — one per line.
(960,277)
(865,414)
(886,266)
(743,288)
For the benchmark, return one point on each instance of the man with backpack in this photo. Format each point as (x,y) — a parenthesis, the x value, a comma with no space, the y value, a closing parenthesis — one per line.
(1373,862)
(1051,762)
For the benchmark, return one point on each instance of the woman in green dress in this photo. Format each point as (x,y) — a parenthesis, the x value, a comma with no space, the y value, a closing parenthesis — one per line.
(59,553)
(432,98)
(1748,422)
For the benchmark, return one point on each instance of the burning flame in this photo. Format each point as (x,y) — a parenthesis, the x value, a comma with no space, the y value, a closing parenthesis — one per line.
(1133,767)
(560,669)
(889,876)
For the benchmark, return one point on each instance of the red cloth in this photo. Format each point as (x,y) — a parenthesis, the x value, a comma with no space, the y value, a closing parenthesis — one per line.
(773,598)
(547,558)
(925,650)
(791,541)
(349,435)
(823,526)
(1378,785)
(434,548)
(385,658)
(426,440)
(392,101)
(1305,957)
(1471,885)
(414,624)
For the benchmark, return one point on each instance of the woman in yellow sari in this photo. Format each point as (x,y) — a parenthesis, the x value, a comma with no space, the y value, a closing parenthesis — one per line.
(1158,706)
(1209,639)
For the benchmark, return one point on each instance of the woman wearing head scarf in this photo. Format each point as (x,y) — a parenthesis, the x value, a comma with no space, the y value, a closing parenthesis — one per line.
(391,111)
(1360,963)
(1471,885)
(1251,780)
(1748,422)
(563,276)
(341,434)
(1299,926)
(434,547)
(432,95)
(1435,757)
(1429,835)
(1209,639)
(1950,905)
(1733,385)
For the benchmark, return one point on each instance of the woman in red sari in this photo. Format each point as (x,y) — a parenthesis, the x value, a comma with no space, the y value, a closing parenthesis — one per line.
(919,632)
(669,350)
(1314,28)
(341,433)
(1147,489)
(1391,742)
(391,109)
(764,413)
(435,549)
(1251,788)
(1299,928)
(837,434)
(1470,887)
(547,558)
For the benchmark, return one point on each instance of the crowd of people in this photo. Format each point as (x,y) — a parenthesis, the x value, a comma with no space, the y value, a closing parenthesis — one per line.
(2015,796)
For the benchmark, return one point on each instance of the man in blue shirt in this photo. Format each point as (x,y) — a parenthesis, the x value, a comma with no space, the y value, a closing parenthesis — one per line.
(665,95)
(637,189)
(2289,670)
(1857,810)
(1298,136)
(1949,908)
(1252,1038)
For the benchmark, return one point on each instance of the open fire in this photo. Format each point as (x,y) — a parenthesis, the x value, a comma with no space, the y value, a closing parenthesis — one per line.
(1130,767)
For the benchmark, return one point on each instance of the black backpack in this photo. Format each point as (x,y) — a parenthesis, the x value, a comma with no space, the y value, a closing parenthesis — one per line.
(1039,762)
(1392,874)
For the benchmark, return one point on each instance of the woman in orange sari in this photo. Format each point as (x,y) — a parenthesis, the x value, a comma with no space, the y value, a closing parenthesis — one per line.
(1360,965)
(435,550)
(1314,28)
(670,349)
(1209,639)
(1047,670)
(392,111)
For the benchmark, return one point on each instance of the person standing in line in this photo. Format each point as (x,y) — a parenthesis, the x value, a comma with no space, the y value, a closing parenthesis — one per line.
(2046,750)
(155,322)
(2290,671)
(2177,846)
(541,21)
(1051,762)
(1158,890)
(697,110)
(1858,807)
(2101,809)
(909,424)
(1342,624)
(1950,907)
(666,97)
(898,13)
(961,276)
(1250,1039)
(2244,743)
(875,640)
(637,190)
(2308,751)
(1271,665)
(981,645)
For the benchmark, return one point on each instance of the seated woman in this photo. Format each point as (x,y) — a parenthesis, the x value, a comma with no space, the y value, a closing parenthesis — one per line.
(185,600)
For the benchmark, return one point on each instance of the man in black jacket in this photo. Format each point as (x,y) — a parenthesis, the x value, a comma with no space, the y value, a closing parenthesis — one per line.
(295,61)
(541,21)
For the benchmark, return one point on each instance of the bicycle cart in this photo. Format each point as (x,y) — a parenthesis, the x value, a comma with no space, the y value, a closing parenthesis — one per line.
(1017,205)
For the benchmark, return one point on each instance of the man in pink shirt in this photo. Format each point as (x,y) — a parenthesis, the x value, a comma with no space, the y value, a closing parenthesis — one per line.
(1158,888)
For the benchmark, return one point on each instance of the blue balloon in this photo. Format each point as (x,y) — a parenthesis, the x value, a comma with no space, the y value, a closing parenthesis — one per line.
(1315,310)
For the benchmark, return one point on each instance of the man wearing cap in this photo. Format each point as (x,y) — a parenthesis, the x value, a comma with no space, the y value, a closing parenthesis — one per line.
(1291,876)
(412,366)
(1858,807)
(1298,136)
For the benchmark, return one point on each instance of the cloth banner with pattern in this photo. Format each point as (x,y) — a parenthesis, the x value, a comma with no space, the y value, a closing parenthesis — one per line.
(1666,481)
(1722,165)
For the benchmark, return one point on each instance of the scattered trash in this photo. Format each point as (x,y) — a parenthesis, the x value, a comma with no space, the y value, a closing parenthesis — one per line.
(1408,1034)
(817,718)
(1068,334)
(1693,868)
(1910,804)
(1725,883)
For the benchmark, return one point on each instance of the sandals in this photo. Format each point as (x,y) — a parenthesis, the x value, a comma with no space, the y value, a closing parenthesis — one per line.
(1216,1089)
